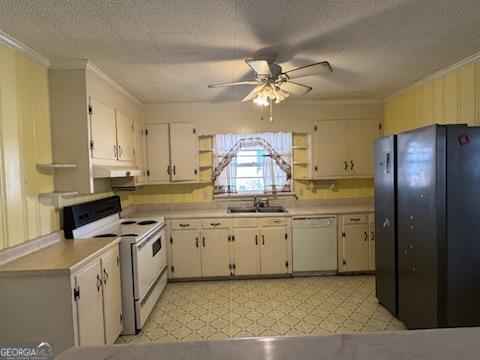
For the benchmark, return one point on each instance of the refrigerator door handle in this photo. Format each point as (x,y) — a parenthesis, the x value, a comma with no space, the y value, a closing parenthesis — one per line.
(386,223)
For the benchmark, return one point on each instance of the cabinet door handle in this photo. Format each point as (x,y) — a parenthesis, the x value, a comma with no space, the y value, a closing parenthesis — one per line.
(256,239)
(115,152)
(184,225)
(120,151)
(366,236)
(203,241)
(351,165)
(168,169)
(215,224)
(174,170)
(196,242)
(99,282)
(355,219)
(105,276)
(373,236)
(263,239)
(346,166)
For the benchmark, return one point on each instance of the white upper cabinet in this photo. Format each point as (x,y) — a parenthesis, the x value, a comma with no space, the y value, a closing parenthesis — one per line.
(140,149)
(361,138)
(183,152)
(331,149)
(172,153)
(103,133)
(125,137)
(158,153)
(344,148)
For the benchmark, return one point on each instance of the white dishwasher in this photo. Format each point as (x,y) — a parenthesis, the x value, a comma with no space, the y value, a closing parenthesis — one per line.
(315,244)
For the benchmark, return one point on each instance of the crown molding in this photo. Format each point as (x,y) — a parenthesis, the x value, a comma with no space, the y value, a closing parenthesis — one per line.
(435,75)
(100,74)
(20,47)
(84,64)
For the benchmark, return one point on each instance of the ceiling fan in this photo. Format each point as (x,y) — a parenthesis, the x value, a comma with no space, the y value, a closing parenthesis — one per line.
(273,85)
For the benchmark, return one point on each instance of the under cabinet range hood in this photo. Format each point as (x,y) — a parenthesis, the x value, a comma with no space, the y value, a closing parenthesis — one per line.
(105,171)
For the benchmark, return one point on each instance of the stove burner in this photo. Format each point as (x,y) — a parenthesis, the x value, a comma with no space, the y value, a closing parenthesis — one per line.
(128,222)
(147,222)
(105,235)
(129,235)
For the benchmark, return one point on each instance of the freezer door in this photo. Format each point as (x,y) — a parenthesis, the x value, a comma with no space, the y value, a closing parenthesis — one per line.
(421,209)
(386,222)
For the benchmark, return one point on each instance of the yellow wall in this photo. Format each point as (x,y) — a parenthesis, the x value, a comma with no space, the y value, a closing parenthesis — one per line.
(449,99)
(25,140)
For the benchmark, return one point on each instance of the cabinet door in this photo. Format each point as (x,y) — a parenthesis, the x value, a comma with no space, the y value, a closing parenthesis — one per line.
(183,152)
(361,140)
(246,251)
(103,132)
(372,241)
(112,295)
(356,248)
(215,252)
(186,254)
(125,137)
(273,251)
(331,149)
(158,153)
(139,150)
(89,305)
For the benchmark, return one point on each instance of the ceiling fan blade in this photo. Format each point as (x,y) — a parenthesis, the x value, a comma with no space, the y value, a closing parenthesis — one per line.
(309,70)
(294,88)
(261,67)
(250,82)
(252,94)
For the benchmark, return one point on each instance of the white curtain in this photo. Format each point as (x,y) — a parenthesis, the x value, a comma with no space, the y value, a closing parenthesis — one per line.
(282,143)
(272,174)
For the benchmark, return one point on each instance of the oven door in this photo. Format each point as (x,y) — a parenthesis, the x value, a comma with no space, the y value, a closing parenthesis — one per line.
(149,257)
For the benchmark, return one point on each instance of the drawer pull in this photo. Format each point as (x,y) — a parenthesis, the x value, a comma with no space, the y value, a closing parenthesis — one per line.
(184,225)
(354,219)
(215,224)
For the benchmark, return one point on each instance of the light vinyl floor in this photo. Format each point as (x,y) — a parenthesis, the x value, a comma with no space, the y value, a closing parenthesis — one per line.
(265,307)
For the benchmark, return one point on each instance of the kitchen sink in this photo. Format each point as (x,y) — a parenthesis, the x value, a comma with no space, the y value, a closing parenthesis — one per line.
(272,209)
(250,210)
(241,210)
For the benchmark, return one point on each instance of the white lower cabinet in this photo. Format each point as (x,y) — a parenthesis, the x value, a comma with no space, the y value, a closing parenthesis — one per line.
(215,247)
(186,253)
(89,304)
(112,302)
(356,243)
(246,251)
(215,252)
(273,252)
(69,307)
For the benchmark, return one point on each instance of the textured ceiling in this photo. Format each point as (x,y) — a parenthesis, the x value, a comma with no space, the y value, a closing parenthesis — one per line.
(170,50)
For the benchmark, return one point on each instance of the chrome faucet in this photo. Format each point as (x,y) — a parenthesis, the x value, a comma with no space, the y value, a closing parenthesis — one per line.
(260,202)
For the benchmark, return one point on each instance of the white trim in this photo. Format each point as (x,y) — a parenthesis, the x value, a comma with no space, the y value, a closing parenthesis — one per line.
(16,45)
(73,64)
(100,74)
(435,75)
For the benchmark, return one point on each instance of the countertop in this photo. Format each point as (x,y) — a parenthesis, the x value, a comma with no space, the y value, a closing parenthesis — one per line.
(440,344)
(292,212)
(63,257)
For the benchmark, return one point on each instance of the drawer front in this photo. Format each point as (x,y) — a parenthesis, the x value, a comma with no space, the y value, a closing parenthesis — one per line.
(276,221)
(216,223)
(186,224)
(244,223)
(355,219)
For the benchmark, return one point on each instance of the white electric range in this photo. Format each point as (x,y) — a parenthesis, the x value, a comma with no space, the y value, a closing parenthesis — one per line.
(143,253)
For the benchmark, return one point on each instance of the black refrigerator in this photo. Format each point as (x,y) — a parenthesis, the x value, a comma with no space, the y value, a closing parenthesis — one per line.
(438,219)
(386,222)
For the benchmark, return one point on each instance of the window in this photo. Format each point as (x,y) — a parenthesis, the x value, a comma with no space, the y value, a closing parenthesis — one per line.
(252,163)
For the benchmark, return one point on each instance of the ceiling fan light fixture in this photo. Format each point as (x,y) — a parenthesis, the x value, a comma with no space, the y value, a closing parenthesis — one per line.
(261,100)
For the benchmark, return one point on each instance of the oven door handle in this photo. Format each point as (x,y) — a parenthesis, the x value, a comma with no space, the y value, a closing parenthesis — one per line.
(144,242)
